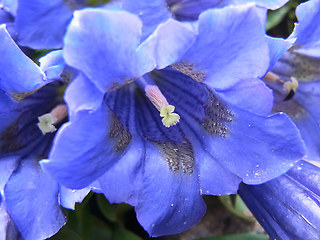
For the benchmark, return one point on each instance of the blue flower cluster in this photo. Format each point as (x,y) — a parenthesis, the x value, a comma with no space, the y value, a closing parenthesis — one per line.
(156,103)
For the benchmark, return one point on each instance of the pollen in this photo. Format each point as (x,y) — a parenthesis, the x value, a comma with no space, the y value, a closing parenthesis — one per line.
(169,118)
(46,122)
(291,85)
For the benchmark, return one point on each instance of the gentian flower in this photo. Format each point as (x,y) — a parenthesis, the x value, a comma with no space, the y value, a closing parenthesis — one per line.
(152,13)
(151,121)
(30,198)
(287,207)
(42,24)
(295,77)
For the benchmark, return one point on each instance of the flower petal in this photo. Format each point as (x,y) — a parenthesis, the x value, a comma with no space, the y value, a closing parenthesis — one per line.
(69,197)
(42,24)
(287,207)
(82,94)
(32,202)
(114,59)
(19,75)
(169,202)
(236,50)
(307,31)
(103,140)
(151,13)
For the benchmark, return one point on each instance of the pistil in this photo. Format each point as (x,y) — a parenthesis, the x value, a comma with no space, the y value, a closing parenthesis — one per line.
(48,121)
(169,118)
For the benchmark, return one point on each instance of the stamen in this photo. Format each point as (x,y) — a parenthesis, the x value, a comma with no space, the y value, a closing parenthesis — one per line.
(291,85)
(271,77)
(48,120)
(160,102)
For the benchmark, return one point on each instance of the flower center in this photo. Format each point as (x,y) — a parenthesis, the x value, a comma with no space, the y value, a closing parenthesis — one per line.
(169,118)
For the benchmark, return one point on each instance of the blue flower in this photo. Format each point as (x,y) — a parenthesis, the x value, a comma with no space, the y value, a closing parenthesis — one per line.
(42,24)
(152,13)
(295,77)
(30,198)
(287,207)
(205,144)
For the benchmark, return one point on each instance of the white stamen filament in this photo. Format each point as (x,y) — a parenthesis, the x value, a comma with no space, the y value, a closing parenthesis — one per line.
(160,102)
(48,120)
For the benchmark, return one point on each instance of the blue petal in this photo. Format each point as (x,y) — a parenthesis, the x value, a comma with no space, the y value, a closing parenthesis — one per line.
(19,75)
(7,166)
(5,17)
(250,94)
(152,13)
(215,179)
(236,50)
(277,47)
(7,227)
(53,64)
(122,182)
(82,94)
(42,24)
(11,6)
(114,59)
(304,111)
(102,142)
(169,202)
(270,4)
(32,202)
(307,31)
(69,197)
(168,43)
(288,207)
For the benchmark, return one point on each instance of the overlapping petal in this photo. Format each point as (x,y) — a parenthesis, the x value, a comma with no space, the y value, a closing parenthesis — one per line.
(288,206)
(42,24)
(32,202)
(19,75)
(235,51)
(117,59)
(307,31)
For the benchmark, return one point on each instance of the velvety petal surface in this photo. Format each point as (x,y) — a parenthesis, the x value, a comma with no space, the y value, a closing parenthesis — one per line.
(69,197)
(32,202)
(235,51)
(277,47)
(42,24)
(101,141)
(114,58)
(19,74)
(7,166)
(251,94)
(169,202)
(307,31)
(82,94)
(151,13)
(287,207)
(53,64)
(273,4)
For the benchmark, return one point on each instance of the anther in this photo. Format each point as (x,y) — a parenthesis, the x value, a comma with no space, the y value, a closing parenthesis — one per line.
(169,118)
(48,121)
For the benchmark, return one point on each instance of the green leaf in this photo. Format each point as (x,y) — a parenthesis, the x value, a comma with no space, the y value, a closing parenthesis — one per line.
(108,210)
(275,17)
(120,233)
(235,205)
(242,236)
